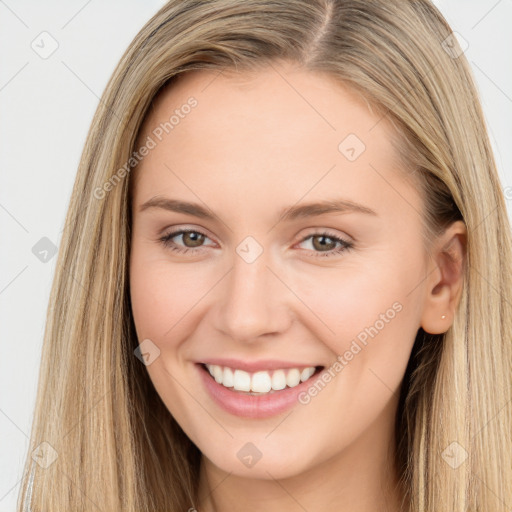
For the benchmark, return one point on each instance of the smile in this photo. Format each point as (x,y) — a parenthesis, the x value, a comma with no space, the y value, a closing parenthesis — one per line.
(259,393)
(261,382)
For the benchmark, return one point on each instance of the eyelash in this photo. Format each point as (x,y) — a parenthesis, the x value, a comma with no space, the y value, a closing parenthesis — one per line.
(346,246)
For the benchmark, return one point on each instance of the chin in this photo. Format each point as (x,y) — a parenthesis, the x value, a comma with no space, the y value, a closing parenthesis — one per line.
(255,461)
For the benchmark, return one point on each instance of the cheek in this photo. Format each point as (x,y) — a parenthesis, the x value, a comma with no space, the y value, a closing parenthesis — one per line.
(163,296)
(367,312)
(152,300)
(368,318)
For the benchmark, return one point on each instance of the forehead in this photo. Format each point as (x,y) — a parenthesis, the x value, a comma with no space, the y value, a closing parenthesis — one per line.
(281,130)
(283,85)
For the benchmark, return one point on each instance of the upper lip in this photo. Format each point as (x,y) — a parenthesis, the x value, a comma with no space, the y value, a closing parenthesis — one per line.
(255,366)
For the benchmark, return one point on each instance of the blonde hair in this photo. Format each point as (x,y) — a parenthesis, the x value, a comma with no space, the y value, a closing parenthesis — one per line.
(118,446)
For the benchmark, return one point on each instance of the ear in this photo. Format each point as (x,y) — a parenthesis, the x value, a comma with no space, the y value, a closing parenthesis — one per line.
(445,279)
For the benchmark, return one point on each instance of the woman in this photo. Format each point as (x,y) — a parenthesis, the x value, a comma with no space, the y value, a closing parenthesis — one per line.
(276,286)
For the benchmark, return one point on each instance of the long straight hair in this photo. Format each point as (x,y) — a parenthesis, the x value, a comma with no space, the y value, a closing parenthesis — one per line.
(117,445)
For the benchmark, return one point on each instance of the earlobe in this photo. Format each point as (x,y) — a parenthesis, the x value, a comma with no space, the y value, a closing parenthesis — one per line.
(445,280)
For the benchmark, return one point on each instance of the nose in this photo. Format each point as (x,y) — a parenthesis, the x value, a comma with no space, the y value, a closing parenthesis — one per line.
(253,301)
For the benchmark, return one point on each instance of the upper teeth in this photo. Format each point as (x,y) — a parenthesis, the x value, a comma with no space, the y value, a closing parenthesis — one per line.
(259,382)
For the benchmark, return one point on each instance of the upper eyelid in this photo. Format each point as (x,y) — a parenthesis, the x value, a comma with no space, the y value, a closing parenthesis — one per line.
(177,231)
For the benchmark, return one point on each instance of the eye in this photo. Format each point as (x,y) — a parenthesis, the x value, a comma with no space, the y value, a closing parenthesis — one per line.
(192,240)
(325,243)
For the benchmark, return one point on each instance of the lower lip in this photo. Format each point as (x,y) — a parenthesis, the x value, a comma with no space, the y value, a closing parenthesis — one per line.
(252,406)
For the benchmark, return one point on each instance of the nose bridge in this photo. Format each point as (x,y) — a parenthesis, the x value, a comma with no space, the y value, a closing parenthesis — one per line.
(252,301)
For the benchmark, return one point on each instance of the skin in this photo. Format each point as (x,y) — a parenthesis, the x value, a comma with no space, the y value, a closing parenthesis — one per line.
(254,145)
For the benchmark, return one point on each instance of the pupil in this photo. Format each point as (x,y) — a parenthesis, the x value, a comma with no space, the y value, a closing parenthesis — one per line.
(322,244)
(195,237)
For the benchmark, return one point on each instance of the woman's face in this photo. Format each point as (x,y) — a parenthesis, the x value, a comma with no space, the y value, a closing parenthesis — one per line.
(304,253)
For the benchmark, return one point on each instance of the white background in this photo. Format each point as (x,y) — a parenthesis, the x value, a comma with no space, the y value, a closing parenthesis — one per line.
(46,107)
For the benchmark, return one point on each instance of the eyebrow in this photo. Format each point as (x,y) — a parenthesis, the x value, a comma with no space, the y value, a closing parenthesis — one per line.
(287,214)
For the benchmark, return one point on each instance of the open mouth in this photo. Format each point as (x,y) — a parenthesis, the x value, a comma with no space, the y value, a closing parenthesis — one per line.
(260,382)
